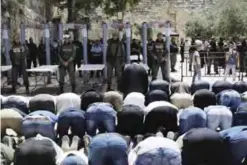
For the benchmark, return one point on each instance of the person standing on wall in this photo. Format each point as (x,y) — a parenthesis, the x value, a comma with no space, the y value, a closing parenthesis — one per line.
(18,55)
(66,57)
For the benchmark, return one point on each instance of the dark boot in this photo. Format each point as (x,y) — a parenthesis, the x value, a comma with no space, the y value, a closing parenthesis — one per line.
(80,74)
(109,87)
(73,88)
(49,79)
(27,90)
(60,89)
(13,90)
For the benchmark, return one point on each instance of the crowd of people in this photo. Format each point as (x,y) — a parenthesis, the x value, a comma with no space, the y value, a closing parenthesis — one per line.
(227,54)
(231,55)
(154,123)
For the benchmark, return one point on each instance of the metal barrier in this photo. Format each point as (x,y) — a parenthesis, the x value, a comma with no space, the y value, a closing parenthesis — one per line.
(208,59)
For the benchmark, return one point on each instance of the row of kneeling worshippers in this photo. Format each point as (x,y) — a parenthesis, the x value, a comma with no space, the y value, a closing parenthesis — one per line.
(171,124)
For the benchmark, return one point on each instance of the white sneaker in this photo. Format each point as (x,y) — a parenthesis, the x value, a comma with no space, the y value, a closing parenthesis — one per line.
(75,143)
(65,143)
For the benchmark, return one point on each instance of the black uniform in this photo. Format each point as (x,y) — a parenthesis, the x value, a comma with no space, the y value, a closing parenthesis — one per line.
(41,54)
(67,55)
(160,60)
(18,55)
(150,53)
(213,58)
(33,51)
(78,57)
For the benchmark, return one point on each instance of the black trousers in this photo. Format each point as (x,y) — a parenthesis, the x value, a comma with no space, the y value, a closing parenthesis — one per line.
(96,60)
(30,61)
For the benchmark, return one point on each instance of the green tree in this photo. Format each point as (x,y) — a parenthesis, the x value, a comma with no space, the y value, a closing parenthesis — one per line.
(231,18)
(223,19)
(199,27)
(113,7)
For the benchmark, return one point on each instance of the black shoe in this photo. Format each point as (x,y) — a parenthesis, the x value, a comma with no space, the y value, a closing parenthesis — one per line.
(27,90)
(109,87)
(48,82)
(13,90)
(80,74)
(173,70)
(60,90)
(73,88)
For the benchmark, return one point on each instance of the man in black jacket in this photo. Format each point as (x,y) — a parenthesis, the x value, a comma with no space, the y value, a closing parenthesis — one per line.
(182,45)
(213,57)
(160,58)
(33,51)
(174,51)
(78,57)
(115,58)
(41,53)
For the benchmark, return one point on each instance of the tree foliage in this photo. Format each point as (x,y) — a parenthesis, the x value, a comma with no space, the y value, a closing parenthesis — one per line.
(112,7)
(199,27)
(223,19)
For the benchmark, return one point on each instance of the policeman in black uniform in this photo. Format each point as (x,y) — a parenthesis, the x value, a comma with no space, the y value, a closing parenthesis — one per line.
(18,55)
(160,58)
(150,53)
(78,57)
(67,55)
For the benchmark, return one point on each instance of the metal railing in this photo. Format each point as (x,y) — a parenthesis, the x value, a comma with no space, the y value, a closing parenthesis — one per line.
(210,61)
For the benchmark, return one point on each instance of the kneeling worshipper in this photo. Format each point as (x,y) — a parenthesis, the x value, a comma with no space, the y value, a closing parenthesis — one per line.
(236,140)
(160,114)
(39,122)
(191,117)
(204,146)
(100,116)
(218,116)
(108,149)
(38,150)
(155,151)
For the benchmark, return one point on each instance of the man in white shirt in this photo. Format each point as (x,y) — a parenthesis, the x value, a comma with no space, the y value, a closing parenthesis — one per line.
(196,62)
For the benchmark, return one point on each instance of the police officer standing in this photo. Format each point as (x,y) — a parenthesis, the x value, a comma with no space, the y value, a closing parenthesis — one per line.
(67,55)
(160,58)
(150,54)
(115,58)
(78,58)
(18,55)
